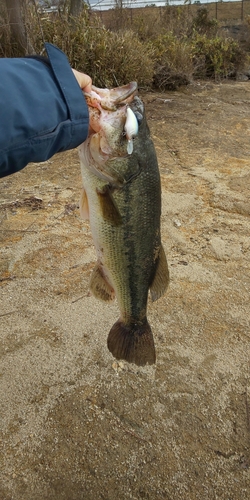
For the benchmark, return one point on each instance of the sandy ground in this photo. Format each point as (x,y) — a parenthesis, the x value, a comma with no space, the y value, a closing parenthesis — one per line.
(74,423)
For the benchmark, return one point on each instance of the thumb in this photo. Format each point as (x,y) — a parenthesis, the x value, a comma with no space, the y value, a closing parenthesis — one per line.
(84,81)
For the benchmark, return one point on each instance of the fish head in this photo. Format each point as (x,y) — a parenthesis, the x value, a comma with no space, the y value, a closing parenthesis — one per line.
(112,128)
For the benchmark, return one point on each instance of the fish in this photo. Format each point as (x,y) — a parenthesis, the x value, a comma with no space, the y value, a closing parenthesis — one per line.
(121,197)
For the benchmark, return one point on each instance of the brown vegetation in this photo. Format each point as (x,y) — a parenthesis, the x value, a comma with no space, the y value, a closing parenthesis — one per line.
(221,11)
(157,47)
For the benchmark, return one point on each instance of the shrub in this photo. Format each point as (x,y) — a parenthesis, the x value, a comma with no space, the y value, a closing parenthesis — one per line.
(112,59)
(166,52)
(128,59)
(217,57)
(177,20)
(173,61)
(202,24)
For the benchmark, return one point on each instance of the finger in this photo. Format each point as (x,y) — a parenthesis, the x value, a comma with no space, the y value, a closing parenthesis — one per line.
(88,86)
(84,81)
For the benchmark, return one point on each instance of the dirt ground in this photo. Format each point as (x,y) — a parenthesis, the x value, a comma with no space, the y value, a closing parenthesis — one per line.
(74,423)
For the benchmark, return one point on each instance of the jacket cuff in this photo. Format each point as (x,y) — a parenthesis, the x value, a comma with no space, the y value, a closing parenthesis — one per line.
(73,95)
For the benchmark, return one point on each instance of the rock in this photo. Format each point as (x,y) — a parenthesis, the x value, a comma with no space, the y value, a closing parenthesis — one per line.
(218,247)
(177,223)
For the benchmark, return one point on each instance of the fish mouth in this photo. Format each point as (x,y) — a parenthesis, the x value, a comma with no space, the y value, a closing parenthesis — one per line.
(111,99)
(112,126)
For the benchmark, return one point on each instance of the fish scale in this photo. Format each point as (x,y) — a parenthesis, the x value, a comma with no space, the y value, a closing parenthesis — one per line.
(124,216)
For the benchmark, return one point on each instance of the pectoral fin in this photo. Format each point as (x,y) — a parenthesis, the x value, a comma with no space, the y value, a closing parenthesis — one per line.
(99,285)
(109,209)
(161,277)
(84,205)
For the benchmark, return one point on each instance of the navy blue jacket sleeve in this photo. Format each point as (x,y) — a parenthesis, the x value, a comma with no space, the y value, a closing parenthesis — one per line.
(42,110)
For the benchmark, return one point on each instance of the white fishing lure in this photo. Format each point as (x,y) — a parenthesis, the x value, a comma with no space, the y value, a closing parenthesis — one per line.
(131,129)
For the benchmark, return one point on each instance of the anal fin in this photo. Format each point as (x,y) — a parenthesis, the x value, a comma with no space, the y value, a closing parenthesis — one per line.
(161,278)
(99,285)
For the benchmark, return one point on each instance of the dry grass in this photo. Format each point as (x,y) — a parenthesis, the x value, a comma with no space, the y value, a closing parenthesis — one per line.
(168,50)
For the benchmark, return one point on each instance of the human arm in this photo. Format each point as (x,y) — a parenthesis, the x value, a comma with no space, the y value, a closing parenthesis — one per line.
(42,109)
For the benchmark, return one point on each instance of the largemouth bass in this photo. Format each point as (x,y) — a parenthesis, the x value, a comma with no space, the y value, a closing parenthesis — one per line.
(122,199)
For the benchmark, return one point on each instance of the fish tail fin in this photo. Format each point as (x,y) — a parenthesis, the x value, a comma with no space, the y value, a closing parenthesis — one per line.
(132,342)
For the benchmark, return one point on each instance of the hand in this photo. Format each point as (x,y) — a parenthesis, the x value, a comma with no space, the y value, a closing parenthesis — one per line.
(84,81)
